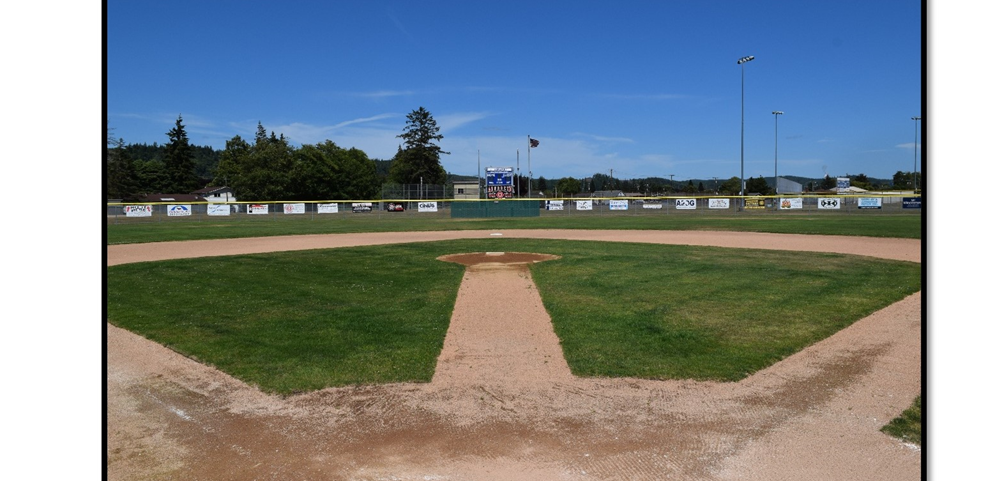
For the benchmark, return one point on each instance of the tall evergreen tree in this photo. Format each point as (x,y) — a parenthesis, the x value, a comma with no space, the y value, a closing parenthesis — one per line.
(180,165)
(122,177)
(419,161)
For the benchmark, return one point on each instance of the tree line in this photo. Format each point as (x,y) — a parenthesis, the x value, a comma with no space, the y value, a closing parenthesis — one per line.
(269,168)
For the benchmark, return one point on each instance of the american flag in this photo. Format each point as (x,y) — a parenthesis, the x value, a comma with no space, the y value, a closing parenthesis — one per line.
(533,143)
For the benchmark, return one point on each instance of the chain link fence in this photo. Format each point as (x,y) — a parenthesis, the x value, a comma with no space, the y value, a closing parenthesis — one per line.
(431,201)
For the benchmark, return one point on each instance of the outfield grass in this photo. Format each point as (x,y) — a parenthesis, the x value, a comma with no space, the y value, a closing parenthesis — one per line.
(872,225)
(298,321)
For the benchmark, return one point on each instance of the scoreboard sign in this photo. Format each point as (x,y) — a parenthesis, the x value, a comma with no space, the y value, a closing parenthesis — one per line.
(500,183)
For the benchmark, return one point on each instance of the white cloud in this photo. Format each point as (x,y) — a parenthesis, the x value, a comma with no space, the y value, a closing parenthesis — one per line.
(601,138)
(380,94)
(451,122)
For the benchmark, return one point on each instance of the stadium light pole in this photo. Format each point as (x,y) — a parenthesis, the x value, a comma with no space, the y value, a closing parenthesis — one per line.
(776,113)
(742,122)
(915,153)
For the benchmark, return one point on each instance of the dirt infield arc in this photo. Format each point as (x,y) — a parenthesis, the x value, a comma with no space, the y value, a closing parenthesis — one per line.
(503,405)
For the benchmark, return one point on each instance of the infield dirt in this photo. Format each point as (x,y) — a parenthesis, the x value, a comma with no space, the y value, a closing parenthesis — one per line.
(503,404)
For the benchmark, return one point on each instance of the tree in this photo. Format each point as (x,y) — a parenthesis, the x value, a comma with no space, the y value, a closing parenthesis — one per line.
(122,177)
(419,160)
(179,161)
(258,172)
(730,186)
(567,186)
(828,183)
(701,187)
(902,180)
(542,185)
(758,186)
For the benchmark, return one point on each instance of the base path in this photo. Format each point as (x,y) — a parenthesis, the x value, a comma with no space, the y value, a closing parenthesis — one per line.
(504,406)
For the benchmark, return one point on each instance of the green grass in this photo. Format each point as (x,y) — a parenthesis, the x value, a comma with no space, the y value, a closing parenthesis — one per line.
(298,321)
(908,426)
(128,231)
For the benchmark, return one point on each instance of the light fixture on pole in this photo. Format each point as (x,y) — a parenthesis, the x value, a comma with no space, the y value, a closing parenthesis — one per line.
(742,123)
(776,113)
(915,153)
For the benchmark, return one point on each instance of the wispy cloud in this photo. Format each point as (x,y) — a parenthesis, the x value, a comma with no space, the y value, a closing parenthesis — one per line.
(304,133)
(364,120)
(908,145)
(397,23)
(645,96)
(451,122)
(381,94)
(602,138)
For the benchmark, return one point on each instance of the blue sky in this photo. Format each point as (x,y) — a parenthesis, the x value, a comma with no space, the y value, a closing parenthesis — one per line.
(638,89)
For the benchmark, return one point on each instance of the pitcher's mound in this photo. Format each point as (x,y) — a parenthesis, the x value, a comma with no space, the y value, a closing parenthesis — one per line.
(504,258)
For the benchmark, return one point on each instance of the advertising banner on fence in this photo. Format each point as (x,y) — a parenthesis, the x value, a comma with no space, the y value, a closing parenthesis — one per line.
(138,211)
(618,205)
(395,207)
(554,205)
(179,210)
(788,203)
(829,203)
(293,208)
(328,208)
(258,209)
(362,207)
(652,206)
(428,207)
(912,202)
(686,204)
(218,209)
(869,203)
(718,203)
(585,205)
(756,203)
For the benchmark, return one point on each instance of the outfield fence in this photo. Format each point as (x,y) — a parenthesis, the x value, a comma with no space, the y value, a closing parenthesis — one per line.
(863,204)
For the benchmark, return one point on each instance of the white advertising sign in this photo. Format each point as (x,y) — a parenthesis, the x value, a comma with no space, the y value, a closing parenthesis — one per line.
(293,208)
(138,211)
(718,203)
(686,203)
(179,210)
(585,205)
(829,203)
(328,208)
(218,209)
(618,205)
(791,203)
(554,205)
(869,203)
(259,209)
(652,206)
(428,207)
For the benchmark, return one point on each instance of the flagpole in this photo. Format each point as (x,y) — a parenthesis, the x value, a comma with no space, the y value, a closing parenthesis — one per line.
(518,166)
(530,165)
